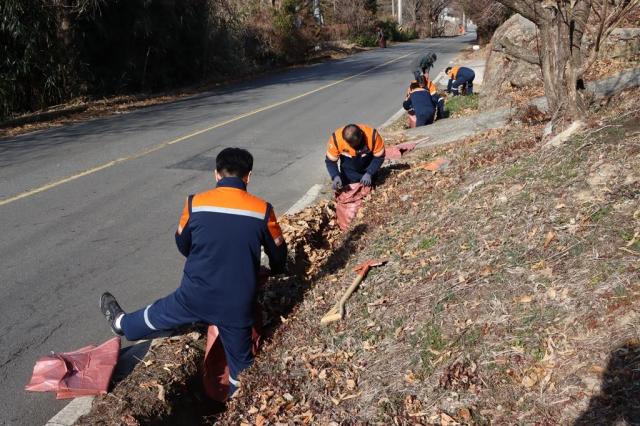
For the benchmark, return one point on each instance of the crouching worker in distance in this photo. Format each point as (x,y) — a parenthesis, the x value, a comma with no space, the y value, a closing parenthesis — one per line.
(460,77)
(359,150)
(420,102)
(438,100)
(220,233)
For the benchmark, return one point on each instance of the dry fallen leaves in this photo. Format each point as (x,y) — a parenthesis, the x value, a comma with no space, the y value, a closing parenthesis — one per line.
(549,238)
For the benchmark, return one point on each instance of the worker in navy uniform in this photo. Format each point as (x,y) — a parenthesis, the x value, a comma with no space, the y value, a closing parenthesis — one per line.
(358,150)
(221,232)
(460,77)
(419,102)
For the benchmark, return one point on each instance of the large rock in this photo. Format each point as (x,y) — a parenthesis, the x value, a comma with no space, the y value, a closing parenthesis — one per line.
(622,43)
(503,73)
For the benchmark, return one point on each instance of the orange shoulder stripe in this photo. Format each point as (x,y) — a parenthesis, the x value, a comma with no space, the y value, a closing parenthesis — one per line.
(227,199)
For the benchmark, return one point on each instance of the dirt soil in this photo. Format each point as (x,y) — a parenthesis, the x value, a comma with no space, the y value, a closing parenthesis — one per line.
(470,54)
(510,297)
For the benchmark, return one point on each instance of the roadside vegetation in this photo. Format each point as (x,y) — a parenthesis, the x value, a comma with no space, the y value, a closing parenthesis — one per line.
(52,52)
(458,106)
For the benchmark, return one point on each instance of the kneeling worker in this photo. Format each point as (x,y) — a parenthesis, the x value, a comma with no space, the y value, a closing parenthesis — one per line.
(220,233)
(360,151)
(421,102)
(425,82)
(460,76)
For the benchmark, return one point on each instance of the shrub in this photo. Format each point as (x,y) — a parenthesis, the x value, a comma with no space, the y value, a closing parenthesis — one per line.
(53,51)
(394,33)
(34,68)
(364,40)
(283,35)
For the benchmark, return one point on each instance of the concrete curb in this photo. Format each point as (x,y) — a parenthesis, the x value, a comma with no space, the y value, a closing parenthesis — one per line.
(72,412)
(307,199)
(391,119)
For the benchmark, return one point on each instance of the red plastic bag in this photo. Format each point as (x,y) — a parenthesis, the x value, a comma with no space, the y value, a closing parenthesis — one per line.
(395,152)
(348,202)
(86,371)
(411,121)
(216,370)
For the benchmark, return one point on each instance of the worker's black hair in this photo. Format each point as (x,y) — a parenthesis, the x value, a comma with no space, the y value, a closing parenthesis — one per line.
(447,70)
(414,85)
(236,162)
(353,135)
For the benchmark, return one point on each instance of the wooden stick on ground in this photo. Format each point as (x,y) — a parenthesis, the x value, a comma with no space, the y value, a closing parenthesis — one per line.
(336,313)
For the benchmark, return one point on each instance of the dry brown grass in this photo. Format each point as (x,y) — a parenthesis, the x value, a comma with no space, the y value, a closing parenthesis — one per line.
(513,280)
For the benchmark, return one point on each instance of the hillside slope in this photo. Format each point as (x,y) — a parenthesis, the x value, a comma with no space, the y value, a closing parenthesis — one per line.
(510,296)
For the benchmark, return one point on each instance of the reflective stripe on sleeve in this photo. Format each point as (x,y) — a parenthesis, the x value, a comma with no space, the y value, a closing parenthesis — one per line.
(146,318)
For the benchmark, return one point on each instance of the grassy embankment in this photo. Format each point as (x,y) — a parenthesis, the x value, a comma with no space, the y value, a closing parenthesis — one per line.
(510,296)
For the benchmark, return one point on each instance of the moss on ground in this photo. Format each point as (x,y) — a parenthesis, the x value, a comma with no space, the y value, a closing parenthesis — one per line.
(458,106)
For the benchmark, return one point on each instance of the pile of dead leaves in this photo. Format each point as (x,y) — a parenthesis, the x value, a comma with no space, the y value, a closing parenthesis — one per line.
(607,67)
(529,115)
(159,388)
(310,235)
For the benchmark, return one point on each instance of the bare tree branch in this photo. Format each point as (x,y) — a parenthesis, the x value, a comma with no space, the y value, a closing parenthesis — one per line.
(532,10)
(606,23)
(507,47)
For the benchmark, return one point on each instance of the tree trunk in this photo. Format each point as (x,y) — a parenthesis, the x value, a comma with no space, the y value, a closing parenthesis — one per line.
(561,60)
(428,27)
(562,26)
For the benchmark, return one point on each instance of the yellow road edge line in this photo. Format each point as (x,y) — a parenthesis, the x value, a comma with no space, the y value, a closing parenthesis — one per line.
(183,138)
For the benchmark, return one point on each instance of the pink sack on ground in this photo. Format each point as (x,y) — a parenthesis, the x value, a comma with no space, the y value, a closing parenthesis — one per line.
(395,152)
(86,371)
(348,202)
(411,121)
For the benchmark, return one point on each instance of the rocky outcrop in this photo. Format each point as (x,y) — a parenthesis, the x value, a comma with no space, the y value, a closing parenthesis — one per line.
(622,43)
(514,46)
(503,72)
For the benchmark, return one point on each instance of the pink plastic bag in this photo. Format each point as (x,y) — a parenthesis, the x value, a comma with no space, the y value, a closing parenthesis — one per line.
(395,152)
(86,371)
(348,203)
(411,121)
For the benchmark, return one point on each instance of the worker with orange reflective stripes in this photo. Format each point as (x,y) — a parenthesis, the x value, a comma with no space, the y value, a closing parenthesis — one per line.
(220,233)
(359,149)
(422,78)
(418,102)
(460,77)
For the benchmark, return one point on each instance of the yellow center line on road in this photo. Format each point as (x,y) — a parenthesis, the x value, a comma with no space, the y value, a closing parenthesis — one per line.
(165,144)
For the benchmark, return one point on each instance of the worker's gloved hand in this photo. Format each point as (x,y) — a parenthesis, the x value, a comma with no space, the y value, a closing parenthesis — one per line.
(366,179)
(336,183)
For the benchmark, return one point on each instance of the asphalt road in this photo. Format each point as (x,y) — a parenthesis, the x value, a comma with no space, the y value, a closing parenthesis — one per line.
(93,206)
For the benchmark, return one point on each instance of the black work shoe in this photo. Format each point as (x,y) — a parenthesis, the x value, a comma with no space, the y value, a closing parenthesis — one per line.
(111,310)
